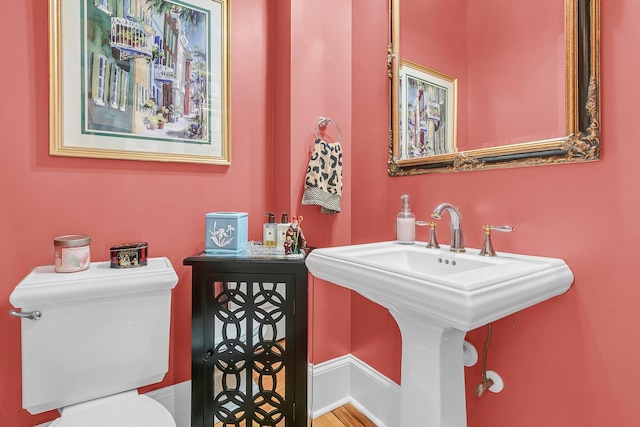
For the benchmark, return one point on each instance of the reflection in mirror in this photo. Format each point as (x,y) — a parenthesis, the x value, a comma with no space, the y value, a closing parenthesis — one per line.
(428,122)
(525,91)
(249,352)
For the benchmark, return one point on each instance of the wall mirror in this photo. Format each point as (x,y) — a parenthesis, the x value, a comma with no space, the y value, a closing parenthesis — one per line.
(485,84)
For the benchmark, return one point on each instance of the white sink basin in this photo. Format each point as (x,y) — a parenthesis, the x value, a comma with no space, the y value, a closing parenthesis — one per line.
(436,296)
(462,290)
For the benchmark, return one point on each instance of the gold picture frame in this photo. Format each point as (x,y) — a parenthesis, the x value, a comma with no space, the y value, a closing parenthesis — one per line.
(140,80)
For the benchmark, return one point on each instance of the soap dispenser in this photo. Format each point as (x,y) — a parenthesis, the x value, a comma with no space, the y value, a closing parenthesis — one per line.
(270,231)
(406,223)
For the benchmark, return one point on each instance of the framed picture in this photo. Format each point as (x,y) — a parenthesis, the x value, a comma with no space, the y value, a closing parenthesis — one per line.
(140,80)
(427,112)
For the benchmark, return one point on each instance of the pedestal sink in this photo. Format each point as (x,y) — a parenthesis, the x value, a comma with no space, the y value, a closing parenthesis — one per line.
(436,296)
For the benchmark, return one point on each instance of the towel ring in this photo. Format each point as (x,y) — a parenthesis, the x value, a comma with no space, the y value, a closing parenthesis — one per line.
(323,122)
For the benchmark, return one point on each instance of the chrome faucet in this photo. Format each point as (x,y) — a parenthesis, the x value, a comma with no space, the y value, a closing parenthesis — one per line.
(457,238)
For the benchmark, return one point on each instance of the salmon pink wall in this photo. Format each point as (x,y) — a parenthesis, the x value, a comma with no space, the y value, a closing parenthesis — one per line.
(572,360)
(314,50)
(568,361)
(375,337)
(43,197)
(290,64)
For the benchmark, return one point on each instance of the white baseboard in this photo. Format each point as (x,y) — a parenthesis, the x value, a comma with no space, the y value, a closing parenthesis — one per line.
(348,379)
(331,385)
(345,379)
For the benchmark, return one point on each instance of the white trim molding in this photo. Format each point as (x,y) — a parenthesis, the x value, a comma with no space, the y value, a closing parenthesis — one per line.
(347,379)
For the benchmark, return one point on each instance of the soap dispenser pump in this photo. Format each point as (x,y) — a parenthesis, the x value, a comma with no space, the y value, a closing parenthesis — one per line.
(406,223)
(270,231)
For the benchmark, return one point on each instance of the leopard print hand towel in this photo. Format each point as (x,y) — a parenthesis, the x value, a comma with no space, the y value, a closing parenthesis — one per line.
(323,183)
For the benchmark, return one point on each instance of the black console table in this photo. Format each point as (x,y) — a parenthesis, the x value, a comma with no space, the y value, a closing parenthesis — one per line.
(249,341)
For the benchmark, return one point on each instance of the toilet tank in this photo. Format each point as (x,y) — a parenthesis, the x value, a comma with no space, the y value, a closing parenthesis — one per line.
(102,331)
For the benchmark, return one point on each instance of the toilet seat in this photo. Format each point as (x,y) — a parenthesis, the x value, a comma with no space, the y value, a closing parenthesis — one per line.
(128,409)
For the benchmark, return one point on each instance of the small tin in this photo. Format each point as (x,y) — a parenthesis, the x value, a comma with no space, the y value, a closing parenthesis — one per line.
(129,255)
(71,253)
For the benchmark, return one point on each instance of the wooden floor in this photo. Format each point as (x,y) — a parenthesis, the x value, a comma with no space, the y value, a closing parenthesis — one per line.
(344,416)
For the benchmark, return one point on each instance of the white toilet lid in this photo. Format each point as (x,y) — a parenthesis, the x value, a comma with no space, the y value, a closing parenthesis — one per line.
(128,409)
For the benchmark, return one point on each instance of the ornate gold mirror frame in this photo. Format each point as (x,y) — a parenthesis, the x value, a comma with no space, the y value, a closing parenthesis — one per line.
(582,142)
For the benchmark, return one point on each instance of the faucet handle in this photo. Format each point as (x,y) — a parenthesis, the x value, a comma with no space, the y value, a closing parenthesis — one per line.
(433,242)
(487,247)
(503,228)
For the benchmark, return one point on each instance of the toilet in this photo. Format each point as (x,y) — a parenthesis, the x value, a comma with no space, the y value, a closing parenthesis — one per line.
(100,335)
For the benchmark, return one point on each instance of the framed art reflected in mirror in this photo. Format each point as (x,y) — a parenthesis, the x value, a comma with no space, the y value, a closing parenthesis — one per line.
(427,112)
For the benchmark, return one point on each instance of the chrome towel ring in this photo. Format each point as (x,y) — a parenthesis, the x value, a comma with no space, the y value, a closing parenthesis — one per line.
(323,122)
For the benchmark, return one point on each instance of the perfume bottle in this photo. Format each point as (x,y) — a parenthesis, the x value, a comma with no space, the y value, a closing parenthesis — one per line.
(270,231)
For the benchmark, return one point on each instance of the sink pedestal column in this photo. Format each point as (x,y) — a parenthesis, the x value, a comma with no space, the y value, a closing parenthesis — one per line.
(432,388)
